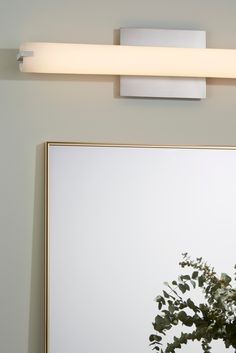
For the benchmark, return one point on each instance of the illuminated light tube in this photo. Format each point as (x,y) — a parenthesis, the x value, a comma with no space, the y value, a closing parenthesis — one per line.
(126,60)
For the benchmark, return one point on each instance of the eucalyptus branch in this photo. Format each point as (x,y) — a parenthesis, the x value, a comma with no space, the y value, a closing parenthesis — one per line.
(214,319)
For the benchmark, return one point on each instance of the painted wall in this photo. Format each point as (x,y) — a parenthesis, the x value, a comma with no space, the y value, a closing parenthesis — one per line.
(34,109)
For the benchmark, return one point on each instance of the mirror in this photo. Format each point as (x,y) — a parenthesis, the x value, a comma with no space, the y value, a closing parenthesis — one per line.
(118,219)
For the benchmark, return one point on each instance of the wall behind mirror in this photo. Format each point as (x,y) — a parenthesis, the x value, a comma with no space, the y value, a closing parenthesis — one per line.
(119,219)
(35,109)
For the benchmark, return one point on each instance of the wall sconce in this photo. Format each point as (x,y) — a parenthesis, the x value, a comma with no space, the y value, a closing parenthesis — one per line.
(151,62)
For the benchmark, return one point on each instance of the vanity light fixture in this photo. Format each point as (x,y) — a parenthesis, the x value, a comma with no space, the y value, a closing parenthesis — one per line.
(151,62)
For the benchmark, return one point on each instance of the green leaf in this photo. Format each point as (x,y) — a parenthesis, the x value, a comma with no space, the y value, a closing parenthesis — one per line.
(156,338)
(182,316)
(185,277)
(166,295)
(188,322)
(182,287)
(159,320)
(225,278)
(170,348)
(195,275)
(171,308)
(161,323)
(174,283)
(158,298)
(201,280)
(163,301)
(191,304)
(187,286)
(175,322)
(204,309)
(183,338)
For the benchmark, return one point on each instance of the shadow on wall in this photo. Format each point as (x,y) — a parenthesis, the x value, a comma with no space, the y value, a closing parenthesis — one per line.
(36,312)
(9,70)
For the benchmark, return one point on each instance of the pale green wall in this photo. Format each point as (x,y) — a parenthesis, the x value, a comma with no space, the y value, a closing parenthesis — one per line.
(34,109)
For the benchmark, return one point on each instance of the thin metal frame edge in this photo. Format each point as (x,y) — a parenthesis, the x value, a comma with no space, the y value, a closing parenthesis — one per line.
(139,145)
(46,319)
